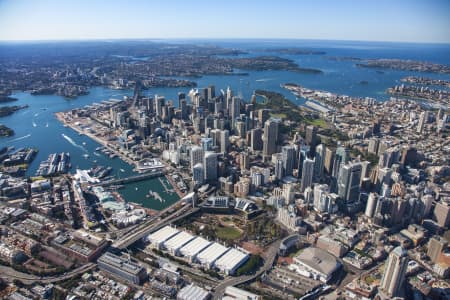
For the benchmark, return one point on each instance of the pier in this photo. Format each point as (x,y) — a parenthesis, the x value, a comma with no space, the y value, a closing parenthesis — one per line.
(167,190)
(136,178)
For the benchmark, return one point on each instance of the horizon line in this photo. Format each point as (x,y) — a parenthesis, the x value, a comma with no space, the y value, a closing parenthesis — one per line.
(214,38)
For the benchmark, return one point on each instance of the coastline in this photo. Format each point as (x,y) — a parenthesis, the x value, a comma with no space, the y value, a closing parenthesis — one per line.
(60,116)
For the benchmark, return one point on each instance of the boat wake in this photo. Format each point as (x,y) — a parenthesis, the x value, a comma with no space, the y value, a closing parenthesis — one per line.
(34,124)
(97,154)
(72,142)
(264,79)
(20,138)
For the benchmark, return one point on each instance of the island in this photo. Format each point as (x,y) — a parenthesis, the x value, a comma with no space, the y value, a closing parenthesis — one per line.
(6,131)
(9,110)
(5,99)
(405,65)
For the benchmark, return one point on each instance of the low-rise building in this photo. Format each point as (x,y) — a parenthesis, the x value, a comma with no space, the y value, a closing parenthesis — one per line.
(122,268)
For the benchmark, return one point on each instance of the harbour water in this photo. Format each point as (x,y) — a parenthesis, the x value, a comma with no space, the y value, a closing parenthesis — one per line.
(36,126)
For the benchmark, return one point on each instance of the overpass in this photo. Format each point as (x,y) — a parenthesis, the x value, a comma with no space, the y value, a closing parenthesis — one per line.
(150,227)
(271,254)
(135,178)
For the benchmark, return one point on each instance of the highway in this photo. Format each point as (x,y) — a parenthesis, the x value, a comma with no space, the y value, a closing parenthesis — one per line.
(151,226)
(271,254)
(9,274)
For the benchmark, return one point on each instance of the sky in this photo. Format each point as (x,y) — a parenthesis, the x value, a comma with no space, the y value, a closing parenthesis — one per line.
(424,21)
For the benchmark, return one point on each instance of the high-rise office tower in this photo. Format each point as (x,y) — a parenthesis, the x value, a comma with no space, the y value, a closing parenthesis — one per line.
(270,137)
(210,166)
(372,202)
(341,157)
(224,141)
(328,162)
(320,196)
(197,154)
(373,145)
(211,92)
(319,159)
(288,156)
(279,172)
(256,141)
(244,161)
(159,103)
(436,246)
(441,213)
(422,121)
(240,129)
(311,135)
(263,115)
(302,155)
(229,96)
(348,182)
(235,109)
(394,272)
(198,174)
(307,174)
(181,96)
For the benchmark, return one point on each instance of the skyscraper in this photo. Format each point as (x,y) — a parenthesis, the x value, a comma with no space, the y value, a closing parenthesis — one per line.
(198,175)
(307,174)
(235,109)
(302,155)
(270,137)
(210,166)
(436,246)
(288,156)
(422,121)
(320,197)
(310,138)
(279,172)
(394,272)
(372,202)
(256,139)
(197,154)
(224,141)
(341,157)
(319,159)
(211,92)
(348,182)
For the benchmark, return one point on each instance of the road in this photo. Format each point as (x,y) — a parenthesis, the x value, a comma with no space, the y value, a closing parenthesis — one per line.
(9,274)
(150,226)
(271,254)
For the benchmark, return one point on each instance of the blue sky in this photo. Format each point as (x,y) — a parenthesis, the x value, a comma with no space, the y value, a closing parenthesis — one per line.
(376,20)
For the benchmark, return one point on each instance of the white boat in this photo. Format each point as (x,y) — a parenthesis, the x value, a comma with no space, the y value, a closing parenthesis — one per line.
(122,170)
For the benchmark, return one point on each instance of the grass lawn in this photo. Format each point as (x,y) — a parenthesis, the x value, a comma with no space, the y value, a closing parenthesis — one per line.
(279,116)
(319,123)
(227,233)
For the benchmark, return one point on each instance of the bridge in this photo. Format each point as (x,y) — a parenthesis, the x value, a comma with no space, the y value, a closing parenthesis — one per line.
(129,179)
(149,227)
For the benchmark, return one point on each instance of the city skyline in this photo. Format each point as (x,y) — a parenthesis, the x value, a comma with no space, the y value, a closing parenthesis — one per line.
(399,21)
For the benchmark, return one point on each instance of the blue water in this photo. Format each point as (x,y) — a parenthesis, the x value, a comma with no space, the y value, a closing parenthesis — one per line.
(37,127)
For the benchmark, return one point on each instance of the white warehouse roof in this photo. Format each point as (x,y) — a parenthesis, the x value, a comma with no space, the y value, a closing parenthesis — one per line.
(212,253)
(231,260)
(192,292)
(178,241)
(162,235)
(194,247)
